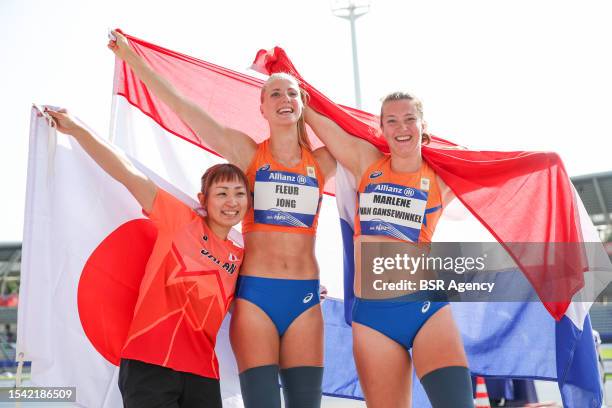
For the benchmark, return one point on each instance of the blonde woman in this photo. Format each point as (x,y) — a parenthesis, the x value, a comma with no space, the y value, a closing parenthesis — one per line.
(277,325)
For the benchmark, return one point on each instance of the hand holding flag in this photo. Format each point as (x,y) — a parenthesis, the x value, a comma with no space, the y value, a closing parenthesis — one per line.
(108,158)
(65,122)
(119,45)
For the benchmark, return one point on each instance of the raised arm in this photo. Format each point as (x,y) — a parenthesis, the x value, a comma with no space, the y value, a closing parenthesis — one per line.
(351,152)
(237,147)
(109,159)
(326,162)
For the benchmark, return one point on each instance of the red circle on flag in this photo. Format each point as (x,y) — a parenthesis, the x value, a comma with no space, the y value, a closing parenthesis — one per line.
(109,284)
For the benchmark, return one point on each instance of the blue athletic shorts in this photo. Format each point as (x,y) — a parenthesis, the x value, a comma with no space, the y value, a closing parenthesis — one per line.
(283,300)
(400,318)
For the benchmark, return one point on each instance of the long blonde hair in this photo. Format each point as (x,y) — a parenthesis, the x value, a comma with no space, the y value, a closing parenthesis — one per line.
(303,139)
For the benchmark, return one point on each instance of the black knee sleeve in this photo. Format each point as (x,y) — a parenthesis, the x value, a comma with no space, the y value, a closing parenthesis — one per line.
(449,387)
(259,386)
(302,386)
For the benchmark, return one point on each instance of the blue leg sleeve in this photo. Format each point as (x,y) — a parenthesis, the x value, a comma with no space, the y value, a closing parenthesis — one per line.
(449,387)
(302,386)
(259,386)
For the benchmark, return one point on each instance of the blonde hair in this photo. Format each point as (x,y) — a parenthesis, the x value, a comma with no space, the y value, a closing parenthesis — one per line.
(418,105)
(303,139)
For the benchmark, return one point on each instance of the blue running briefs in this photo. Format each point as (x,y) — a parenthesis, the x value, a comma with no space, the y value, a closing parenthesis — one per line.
(400,318)
(283,300)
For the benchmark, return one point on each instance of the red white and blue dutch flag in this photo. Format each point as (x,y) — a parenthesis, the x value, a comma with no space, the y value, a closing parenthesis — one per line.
(82,228)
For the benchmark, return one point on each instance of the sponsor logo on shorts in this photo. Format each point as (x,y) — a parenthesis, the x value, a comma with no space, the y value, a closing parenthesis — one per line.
(375,174)
(308,298)
(425,307)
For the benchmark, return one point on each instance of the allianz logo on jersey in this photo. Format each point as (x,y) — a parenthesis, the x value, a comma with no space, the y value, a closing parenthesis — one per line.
(408,192)
(301,179)
(265,167)
(386,188)
(375,174)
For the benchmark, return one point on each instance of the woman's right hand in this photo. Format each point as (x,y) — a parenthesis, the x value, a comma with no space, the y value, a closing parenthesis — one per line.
(109,158)
(120,45)
(64,122)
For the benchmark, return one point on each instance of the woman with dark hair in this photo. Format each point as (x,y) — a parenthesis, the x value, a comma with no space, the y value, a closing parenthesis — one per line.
(277,324)
(168,359)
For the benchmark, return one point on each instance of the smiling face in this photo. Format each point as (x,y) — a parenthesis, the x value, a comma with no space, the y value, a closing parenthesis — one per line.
(225,202)
(402,126)
(225,196)
(281,101)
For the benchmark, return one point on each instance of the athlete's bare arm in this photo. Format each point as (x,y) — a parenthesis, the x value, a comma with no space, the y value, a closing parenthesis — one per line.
(237,147)
(326,162)
(352,152)
(109,159)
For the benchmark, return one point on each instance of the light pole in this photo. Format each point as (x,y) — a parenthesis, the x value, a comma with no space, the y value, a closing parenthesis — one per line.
(351,10)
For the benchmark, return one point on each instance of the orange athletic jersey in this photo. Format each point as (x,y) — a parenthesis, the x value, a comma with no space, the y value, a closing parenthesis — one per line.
(185,293)
(403,206)
(285,199)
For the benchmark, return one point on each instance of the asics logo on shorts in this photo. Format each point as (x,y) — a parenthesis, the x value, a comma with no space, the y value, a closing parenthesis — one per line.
(308,298)
(426,307)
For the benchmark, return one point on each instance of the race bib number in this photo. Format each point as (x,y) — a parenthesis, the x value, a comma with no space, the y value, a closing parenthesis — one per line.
(284,198)
(392,210)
